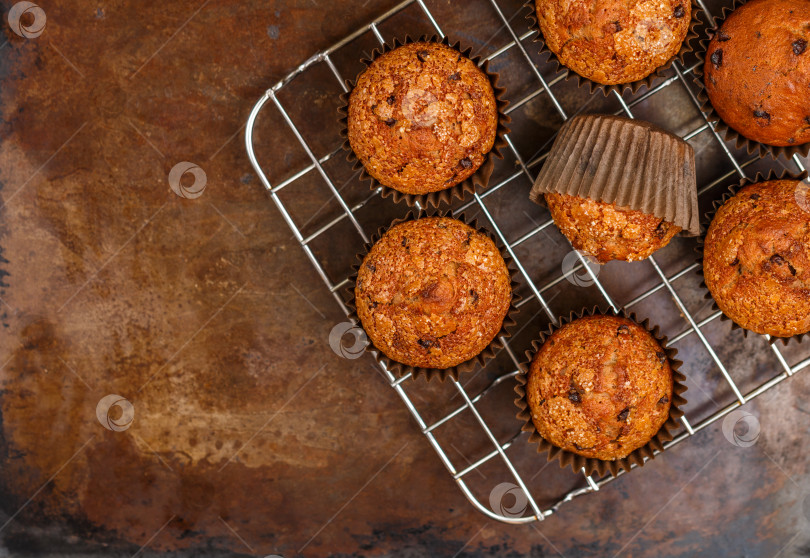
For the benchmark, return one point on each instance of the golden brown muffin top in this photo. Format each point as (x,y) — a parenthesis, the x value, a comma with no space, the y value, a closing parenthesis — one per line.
(608,232)
(422,118)
(758,71)
(433,293)
(614,41)
(600,387)
(756,259)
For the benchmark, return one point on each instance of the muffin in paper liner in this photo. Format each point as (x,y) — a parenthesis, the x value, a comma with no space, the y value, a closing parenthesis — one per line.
(630,163)
(732,191)
(479,179)
(727,132)
(400,369)
(633,86)
(592,465)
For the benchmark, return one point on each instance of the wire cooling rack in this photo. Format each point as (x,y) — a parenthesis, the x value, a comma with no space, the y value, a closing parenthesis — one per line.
(477,412)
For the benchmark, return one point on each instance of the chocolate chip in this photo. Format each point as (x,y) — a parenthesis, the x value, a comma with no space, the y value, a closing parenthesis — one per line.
(405,241)
(622,329)
(717,58)
(617,26)
(579,448)
(807,119)
(623,415)
(762,115)
(474,295)
(679,12)
(390,121)
(662,357)
(663,400)
(792,269)
(776,259)
(735,262)
(575,397)
(373,305)
(661,229)
(799,46)
(454,77)
(722,37)
(371,267)
(421,55)
(465,162)
(791,140)
(424,343)
(390,100)
(755,196)
(542,401)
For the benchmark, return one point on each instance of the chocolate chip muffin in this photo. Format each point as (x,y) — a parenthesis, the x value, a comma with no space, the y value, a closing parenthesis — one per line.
(614,41)
(608,232)
(757,71)
(756,259)
(600,387)
(422,118)
(433,293)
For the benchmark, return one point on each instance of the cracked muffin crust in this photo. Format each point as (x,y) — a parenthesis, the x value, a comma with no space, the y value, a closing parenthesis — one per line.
(608,232)
(422,118)
(756,259)
(600,387)
(433,293)
(757,71)
(614,41)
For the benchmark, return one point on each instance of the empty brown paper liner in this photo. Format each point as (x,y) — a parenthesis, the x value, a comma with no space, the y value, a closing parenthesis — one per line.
(478,179)
(732,191)
(726,132)
(626,162)
(454,372)
(619,88)
(591,465)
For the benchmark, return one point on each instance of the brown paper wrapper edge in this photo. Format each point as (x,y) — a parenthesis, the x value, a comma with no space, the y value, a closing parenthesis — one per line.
(625,162)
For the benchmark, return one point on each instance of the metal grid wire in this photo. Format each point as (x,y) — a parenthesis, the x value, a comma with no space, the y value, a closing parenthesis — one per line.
(470,401)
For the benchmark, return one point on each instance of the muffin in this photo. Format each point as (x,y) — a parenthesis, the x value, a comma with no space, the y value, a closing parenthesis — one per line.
(608,232)
(433,292)
(422,118)
(600,386)
(756,259)
(757,71)
(614,41)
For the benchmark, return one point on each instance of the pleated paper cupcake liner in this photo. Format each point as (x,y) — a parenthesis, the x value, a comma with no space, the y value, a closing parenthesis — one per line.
(479,179)
(591,465)
(659,74)
(727,132)
(454,372)
(626,162)
(700,248)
